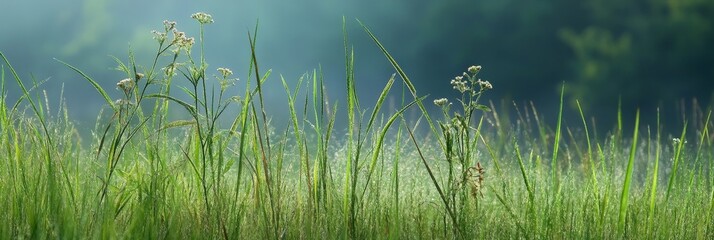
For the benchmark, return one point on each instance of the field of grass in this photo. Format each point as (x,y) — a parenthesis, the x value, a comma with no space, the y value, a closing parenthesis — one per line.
(466,173)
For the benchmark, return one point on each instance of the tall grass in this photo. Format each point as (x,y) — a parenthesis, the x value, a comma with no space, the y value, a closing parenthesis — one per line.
(181,155)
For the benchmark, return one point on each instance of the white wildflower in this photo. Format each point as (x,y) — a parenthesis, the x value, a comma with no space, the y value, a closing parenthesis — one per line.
(225,72)
(159,36)
(485,85)
(170,70)
(169,25)
(125,85)
(676,141)
(181,41)
(474,69)
(441,102)
(202,17)
(459,84)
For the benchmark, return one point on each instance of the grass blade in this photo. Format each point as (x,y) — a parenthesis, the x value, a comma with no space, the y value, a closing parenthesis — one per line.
(677,156)
(96,86)
(628,176)
(655,176)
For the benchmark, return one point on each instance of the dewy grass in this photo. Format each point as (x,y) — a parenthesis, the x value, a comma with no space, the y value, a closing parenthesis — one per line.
(473,174)
(625,196)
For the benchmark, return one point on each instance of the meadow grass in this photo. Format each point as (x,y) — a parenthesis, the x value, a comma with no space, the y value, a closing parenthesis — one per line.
(467,174)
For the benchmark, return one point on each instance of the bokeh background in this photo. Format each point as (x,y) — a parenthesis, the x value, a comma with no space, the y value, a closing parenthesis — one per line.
(644,53)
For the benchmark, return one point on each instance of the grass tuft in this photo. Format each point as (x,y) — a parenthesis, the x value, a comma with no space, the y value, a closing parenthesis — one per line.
(181,153)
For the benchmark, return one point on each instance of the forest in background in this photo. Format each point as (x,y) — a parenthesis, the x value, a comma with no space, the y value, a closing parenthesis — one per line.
(644,53)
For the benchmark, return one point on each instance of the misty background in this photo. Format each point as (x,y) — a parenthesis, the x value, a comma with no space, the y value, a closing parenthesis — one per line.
(644,53)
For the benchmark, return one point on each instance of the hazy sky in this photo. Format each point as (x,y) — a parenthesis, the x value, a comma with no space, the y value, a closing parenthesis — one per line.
(520,44)
(293,38)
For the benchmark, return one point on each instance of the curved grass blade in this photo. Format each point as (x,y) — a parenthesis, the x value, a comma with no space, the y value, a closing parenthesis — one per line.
(628,175)
(380,140)
(91,81)
(191,109)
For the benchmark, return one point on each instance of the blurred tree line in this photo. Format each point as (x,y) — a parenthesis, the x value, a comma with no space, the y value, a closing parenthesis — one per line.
(648,53)
(644,53)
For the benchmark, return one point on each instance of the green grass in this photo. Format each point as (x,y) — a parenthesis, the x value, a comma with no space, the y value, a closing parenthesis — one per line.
(469,173)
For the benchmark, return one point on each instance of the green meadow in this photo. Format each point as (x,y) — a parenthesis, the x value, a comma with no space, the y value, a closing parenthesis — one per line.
(178,154)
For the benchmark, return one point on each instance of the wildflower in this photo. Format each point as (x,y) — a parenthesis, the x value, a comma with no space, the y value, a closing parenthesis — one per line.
(676,141)
(125,85)
(170,70)
(202,17)
(459,84)
(181,41)
(139,76)
(441,102)
(225,72)
(169,25)
(121,102)
(474,69)
(485,85)
(159,36)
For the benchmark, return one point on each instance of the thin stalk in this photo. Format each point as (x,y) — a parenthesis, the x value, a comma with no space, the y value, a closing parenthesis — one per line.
(628,176)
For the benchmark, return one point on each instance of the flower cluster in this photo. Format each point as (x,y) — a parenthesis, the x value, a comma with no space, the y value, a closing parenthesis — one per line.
(485,85)
(460,84)
(225,72)
(466,83)
(676,141)
(441,102)
(161,36)
(202,17)
(181,41)
(125,85)
(170,70)
(474,69)
(169,25)
(224,79)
